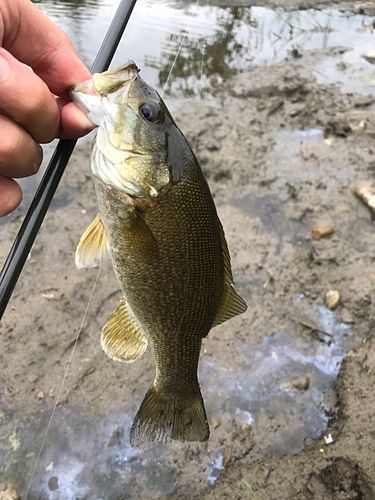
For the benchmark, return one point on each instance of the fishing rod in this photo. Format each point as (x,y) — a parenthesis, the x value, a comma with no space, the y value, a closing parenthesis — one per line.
(35,215)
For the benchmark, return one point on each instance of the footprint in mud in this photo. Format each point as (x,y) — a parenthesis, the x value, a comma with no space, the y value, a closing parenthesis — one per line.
(341,479)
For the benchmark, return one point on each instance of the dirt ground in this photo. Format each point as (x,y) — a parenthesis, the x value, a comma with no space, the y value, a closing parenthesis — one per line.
(281,152)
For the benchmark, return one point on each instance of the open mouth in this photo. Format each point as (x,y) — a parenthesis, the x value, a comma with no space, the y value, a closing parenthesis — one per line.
(106,82)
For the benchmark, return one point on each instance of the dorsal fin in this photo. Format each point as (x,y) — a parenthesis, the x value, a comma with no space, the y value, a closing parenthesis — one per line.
(231,303)
(122,338)
(93,246)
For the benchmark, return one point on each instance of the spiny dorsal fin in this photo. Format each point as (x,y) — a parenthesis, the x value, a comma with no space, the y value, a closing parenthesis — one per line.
(93,246)
(231,303)
(122,338)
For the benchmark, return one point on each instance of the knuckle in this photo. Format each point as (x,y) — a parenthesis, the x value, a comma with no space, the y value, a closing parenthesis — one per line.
(34,106)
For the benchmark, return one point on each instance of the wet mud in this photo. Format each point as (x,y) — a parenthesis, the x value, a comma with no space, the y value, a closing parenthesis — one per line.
(288,386)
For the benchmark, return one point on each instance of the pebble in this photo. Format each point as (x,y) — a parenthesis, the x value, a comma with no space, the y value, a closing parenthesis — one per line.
(346,316)
(318,232)
(300,383)
(215,423)
(246,429)
(10,493)
(332,299)
(370,56)
(365,190)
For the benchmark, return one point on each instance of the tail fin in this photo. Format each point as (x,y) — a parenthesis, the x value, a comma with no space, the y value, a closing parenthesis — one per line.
(162,418)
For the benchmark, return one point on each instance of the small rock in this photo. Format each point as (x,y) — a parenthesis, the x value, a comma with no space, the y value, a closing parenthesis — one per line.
(369,56)
(227,454)
(10,493)
(294,112)
(40,395)
(329,439)
(318,232)
(246,429)
(300,383)
(53,483)
(365,190)
(341,66)
(117,437)
(346,316)
(215,423)
(332,299)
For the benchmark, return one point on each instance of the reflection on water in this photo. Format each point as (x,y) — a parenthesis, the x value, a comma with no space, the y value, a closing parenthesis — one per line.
(211,58)
(214,42)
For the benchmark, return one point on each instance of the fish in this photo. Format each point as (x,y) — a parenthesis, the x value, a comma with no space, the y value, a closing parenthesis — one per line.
(158,225)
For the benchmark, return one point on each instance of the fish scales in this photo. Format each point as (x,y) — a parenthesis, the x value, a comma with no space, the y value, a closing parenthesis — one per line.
(184,278)
(158,222)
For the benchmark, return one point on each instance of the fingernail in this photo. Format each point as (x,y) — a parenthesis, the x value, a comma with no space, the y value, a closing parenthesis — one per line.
(4,66)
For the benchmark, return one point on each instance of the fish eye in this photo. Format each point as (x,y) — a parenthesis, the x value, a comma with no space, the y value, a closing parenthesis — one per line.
(150,111)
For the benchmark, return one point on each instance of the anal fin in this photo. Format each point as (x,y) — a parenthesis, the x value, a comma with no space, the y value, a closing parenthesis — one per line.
(122,338)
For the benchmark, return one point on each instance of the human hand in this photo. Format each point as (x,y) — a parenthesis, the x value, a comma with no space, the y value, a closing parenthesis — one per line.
(37,65)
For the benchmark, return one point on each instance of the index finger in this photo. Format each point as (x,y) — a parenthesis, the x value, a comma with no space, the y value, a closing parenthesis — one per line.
(34,40)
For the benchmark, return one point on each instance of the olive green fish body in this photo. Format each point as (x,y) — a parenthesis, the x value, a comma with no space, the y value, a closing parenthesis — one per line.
(158,222)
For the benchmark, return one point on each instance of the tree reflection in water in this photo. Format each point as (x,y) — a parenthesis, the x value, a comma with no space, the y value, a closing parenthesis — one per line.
(205,62)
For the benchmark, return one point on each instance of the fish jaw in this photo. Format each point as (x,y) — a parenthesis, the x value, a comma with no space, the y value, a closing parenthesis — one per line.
(92,95)
(86,98)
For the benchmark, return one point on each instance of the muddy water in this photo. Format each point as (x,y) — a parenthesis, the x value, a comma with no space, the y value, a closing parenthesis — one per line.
(86,453)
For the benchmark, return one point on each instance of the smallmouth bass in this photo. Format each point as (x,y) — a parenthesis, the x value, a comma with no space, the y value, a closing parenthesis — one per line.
(158,224)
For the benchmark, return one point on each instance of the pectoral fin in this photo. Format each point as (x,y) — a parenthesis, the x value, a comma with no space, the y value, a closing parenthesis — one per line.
(141,239)
(122,338)
(231,303)
(93,246)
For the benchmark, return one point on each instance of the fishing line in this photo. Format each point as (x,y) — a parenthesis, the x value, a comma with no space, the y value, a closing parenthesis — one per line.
(173,64)
(62,383)
(176,57)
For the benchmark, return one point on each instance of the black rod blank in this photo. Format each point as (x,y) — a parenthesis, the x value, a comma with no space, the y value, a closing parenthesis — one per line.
(30,226)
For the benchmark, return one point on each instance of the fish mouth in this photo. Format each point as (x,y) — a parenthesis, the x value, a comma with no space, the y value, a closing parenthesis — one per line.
(106,82)
(89,93)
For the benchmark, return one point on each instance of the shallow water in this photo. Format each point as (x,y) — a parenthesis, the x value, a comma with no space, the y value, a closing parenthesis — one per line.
(216,41)
(88,456)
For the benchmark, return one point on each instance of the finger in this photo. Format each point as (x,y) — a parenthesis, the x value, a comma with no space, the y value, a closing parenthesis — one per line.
(74,122)
(33,39)
(10,195)
(20,156)
(27,100)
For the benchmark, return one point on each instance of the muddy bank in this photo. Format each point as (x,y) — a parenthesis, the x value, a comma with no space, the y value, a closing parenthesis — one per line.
(280,149)
(339,465)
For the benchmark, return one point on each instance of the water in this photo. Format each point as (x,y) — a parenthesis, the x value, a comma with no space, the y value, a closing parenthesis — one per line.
(229,39)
